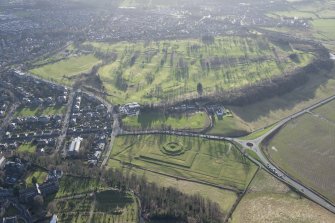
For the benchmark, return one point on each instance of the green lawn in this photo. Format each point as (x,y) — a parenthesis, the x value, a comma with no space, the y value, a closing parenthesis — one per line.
(204,160)
(156,120)
(26,148)
(169,70)
(38,111)
(39,175)
(64,70)
(304,149)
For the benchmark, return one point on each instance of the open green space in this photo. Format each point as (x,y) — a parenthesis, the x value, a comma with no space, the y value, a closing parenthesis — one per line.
(203,160)
(38,111)
(157,120)
(109,207)
(76,185)
(64,70)
(325,28)
(26,148)
(304,149)
(327,111)
(269,200)
(169,70)
(39,175)
(230,126)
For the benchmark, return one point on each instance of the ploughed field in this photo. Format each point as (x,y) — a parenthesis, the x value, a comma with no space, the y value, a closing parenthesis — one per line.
(215,162)
(171,69)
(304,148)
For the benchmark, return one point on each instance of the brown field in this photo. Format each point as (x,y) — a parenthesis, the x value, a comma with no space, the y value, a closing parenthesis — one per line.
(304,148)
(269,200)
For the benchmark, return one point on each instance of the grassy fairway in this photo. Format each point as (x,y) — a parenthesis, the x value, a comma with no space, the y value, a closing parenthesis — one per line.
(26,148)
(157,120)
(204,160)
(304,149)
(38,111)
(61,71)
(169,70)
(269,200)
(229,126)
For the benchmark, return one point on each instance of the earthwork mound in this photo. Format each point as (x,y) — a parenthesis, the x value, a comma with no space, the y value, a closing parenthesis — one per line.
(173,149)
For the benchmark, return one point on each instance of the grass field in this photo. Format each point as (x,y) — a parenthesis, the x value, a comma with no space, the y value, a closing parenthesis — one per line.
(26,148)
(224,198)
(229,126)
(204,160)
(325,27)
(39,175)
(75,185)
(63,70)
(38,111)
(327,111)
(168,70)
(269,200)
(266,112)
(157,120)
(304,149)
(77,210)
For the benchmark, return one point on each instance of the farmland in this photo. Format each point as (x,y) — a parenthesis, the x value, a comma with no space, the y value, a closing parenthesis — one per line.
(64,70)
(269,200)
(157,120)
(168,70)
(191,158)
(303,148)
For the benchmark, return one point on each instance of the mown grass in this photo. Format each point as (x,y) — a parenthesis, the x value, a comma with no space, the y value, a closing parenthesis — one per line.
(157,120)
(38,111)
(303,148)
(63,70)
(27,148)
(168,70)
(39,175)
(204,160)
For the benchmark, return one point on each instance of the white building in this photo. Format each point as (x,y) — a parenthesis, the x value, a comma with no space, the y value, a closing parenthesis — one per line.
(75,146)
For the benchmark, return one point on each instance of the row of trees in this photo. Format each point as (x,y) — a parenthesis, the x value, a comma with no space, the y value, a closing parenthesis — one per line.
(162,202)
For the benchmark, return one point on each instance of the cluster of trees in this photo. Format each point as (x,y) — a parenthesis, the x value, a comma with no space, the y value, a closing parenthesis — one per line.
(166,203)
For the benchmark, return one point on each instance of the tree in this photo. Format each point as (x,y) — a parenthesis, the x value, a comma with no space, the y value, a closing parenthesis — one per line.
(199,89)
(38,201)
(34,180)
